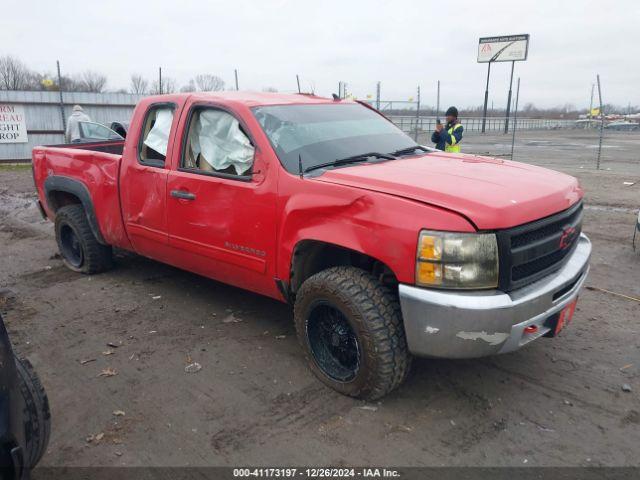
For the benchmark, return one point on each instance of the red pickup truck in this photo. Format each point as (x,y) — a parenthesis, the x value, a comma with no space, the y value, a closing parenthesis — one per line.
(385,248)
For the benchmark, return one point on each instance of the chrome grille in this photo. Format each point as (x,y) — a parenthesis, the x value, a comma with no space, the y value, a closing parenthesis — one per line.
(531,251)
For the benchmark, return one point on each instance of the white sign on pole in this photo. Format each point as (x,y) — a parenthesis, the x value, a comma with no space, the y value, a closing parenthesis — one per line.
(13,126)
(509,48)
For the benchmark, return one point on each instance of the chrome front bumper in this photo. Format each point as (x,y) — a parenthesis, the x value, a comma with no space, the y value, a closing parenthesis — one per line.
(459,324)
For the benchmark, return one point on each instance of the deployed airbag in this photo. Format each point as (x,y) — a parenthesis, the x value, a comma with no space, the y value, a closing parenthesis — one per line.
(158,137)
(218,139)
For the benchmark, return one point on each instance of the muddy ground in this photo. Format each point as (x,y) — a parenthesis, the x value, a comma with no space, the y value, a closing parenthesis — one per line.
(557,402)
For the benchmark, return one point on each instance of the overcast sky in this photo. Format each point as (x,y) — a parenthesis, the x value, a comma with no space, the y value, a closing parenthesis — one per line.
(401,43)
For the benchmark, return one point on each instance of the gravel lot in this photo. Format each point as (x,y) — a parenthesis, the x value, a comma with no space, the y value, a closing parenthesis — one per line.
(557,402)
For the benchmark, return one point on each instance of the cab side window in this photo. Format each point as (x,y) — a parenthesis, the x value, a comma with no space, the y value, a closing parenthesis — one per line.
(155,135)
(217,144)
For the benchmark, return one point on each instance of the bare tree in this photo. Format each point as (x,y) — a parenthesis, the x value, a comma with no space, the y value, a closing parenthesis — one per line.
(14,75)
(270,89)
(40,81)
(168,86)
(209,83)
(189,87)
(92,81)
(68,84)
(139,85)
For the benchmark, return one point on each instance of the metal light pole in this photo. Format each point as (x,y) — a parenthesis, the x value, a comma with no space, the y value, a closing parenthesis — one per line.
(160,80)
(378,96)
(64,120)
(417,114)
(515,119)
(506,120)
(235,72)
(591,105)
(601,123)
(486,99)
(298,80)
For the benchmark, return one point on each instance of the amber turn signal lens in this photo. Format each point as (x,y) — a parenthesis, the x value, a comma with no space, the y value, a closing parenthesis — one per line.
(429,273)
(430,248)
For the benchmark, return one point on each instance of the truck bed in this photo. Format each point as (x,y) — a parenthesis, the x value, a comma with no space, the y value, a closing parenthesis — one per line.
(105,146)
(90,168)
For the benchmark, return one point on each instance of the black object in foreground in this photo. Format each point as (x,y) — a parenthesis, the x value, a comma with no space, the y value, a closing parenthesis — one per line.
(25,419)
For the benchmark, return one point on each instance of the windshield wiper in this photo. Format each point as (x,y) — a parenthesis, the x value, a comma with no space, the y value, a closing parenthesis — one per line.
(408,150)
(363,157)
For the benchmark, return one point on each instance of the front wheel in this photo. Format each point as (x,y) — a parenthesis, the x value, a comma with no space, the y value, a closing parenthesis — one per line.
(350,328)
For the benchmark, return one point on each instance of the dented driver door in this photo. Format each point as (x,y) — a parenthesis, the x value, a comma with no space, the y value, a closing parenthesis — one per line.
(220,202)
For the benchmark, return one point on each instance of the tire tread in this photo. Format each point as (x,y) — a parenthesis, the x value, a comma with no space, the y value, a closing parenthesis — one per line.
(37,415)
(380,313)
(97,257)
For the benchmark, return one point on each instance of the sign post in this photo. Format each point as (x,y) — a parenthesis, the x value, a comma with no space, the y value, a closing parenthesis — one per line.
(508,48)
(13,126)
(486,99)
(515,119)
(506,120)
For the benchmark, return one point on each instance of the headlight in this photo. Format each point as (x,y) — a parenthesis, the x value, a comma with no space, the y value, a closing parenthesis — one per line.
(457,260)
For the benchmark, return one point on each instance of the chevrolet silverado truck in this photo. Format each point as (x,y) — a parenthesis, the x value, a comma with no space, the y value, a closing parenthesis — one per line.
(386,249)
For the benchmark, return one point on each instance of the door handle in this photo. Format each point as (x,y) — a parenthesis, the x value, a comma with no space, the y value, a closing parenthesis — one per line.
(183,195)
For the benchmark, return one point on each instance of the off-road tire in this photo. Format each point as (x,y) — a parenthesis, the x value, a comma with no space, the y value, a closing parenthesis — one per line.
(37,416)
(96,256)
(373,313)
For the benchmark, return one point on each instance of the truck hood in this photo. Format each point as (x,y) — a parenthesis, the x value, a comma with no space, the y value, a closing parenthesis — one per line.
(492,193)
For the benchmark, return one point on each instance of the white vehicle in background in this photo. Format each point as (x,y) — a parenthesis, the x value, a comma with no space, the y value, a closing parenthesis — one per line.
(588,123)
(623,126)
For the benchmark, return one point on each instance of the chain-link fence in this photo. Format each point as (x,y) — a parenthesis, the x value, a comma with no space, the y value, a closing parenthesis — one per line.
(427,123)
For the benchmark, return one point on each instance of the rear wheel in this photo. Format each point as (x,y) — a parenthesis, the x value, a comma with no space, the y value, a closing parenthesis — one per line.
(37,416)
(79,248)
(350,328)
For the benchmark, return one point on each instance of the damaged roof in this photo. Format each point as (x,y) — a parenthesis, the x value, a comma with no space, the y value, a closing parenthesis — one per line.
(252,99)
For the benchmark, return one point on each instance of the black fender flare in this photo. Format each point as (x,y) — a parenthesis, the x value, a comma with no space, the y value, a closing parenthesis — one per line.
(58,183)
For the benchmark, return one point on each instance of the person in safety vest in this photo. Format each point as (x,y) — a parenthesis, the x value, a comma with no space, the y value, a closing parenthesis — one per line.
(448,137)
